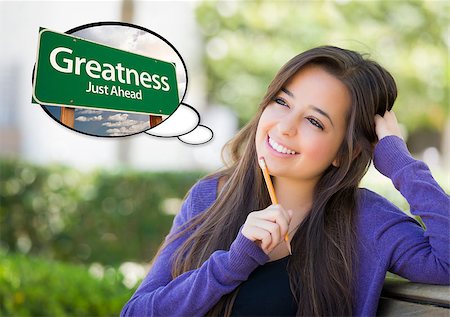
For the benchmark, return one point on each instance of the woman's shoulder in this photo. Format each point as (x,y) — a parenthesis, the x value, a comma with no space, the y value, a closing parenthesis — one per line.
(367,196)
(369,200)
(206,184)
(221,182)
(210,184)
(374,210)
(203,193)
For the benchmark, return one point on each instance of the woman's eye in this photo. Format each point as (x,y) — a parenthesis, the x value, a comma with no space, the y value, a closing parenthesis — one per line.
(280,101)
(316,123)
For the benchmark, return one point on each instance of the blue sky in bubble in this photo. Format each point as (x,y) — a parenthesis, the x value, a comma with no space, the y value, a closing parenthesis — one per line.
(105,123)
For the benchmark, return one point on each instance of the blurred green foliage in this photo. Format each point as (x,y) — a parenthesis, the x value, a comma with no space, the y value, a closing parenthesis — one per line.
(248,41)
(39,287)
(106,216)
(102,216)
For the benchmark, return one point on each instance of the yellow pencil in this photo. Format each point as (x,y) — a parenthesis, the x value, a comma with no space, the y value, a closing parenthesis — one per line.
(262,164)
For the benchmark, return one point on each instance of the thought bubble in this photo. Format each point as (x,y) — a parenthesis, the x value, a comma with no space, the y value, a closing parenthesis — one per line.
(184,124)
(200,135)
(132,75)
(182,121)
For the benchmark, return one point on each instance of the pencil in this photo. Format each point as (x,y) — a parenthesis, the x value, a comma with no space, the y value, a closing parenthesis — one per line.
(273,197)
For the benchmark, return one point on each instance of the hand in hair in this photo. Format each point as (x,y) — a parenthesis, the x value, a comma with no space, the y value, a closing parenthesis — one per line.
(267,227)
(387,125)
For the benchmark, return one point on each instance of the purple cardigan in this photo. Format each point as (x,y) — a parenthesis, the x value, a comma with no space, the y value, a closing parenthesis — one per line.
(389,240)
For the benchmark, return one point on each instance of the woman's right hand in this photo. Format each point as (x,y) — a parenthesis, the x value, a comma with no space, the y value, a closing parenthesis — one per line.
(267,227)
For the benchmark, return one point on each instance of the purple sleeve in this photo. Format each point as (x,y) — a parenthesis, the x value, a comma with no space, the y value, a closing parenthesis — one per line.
(194,292)
(414,253)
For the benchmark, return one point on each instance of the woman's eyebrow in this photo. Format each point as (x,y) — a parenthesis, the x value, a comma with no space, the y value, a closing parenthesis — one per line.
(286,91)
(322,113)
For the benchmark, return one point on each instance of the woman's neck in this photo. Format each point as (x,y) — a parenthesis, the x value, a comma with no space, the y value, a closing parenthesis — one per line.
(294,194)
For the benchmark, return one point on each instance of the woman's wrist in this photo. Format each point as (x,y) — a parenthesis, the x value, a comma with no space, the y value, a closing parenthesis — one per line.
(390,155)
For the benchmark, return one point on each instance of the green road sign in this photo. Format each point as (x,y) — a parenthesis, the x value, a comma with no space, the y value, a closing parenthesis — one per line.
(75,72)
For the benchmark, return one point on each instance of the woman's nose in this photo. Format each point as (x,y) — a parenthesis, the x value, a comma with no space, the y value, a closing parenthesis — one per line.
(288,125)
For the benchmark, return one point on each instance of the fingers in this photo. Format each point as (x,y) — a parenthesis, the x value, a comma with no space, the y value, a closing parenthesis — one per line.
(271,233)
(276,214)
(262,237)
(267,227)
(387,125)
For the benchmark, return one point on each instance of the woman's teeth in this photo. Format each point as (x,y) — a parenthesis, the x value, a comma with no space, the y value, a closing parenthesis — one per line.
(279,148)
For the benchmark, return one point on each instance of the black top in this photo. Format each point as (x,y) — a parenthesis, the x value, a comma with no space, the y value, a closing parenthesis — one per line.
(266,292)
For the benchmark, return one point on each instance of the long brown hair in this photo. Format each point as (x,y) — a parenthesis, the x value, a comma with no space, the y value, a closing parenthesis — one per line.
(322,279)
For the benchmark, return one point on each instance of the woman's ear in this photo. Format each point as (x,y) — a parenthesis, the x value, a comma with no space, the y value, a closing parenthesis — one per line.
(356,153)
(335,163)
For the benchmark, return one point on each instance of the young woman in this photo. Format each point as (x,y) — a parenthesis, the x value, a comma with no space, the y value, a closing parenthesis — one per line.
(325,115)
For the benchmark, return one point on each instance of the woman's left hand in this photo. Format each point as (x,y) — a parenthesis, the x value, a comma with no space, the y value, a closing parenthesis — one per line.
(387,125)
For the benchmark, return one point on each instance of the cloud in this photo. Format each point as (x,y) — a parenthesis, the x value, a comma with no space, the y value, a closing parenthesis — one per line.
(124,123)
(118,117)
(86,119)
(111,35)
(142,125)
(184,124)
(89,111)
(120,125)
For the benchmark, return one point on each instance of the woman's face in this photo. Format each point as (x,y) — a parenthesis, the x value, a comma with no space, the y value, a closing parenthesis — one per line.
(301,129)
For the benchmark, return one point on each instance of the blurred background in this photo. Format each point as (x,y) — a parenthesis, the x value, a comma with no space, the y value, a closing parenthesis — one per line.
(81,217)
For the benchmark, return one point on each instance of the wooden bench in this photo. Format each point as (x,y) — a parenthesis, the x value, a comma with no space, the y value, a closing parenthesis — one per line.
(401,297)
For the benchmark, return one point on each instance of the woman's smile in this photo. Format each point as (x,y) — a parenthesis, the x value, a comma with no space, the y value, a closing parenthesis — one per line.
(279,150)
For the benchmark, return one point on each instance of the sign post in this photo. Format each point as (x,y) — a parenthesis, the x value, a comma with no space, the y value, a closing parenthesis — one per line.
(67,116)
(155,120)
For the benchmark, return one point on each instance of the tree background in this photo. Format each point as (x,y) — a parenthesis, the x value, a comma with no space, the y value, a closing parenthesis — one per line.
(247,42)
